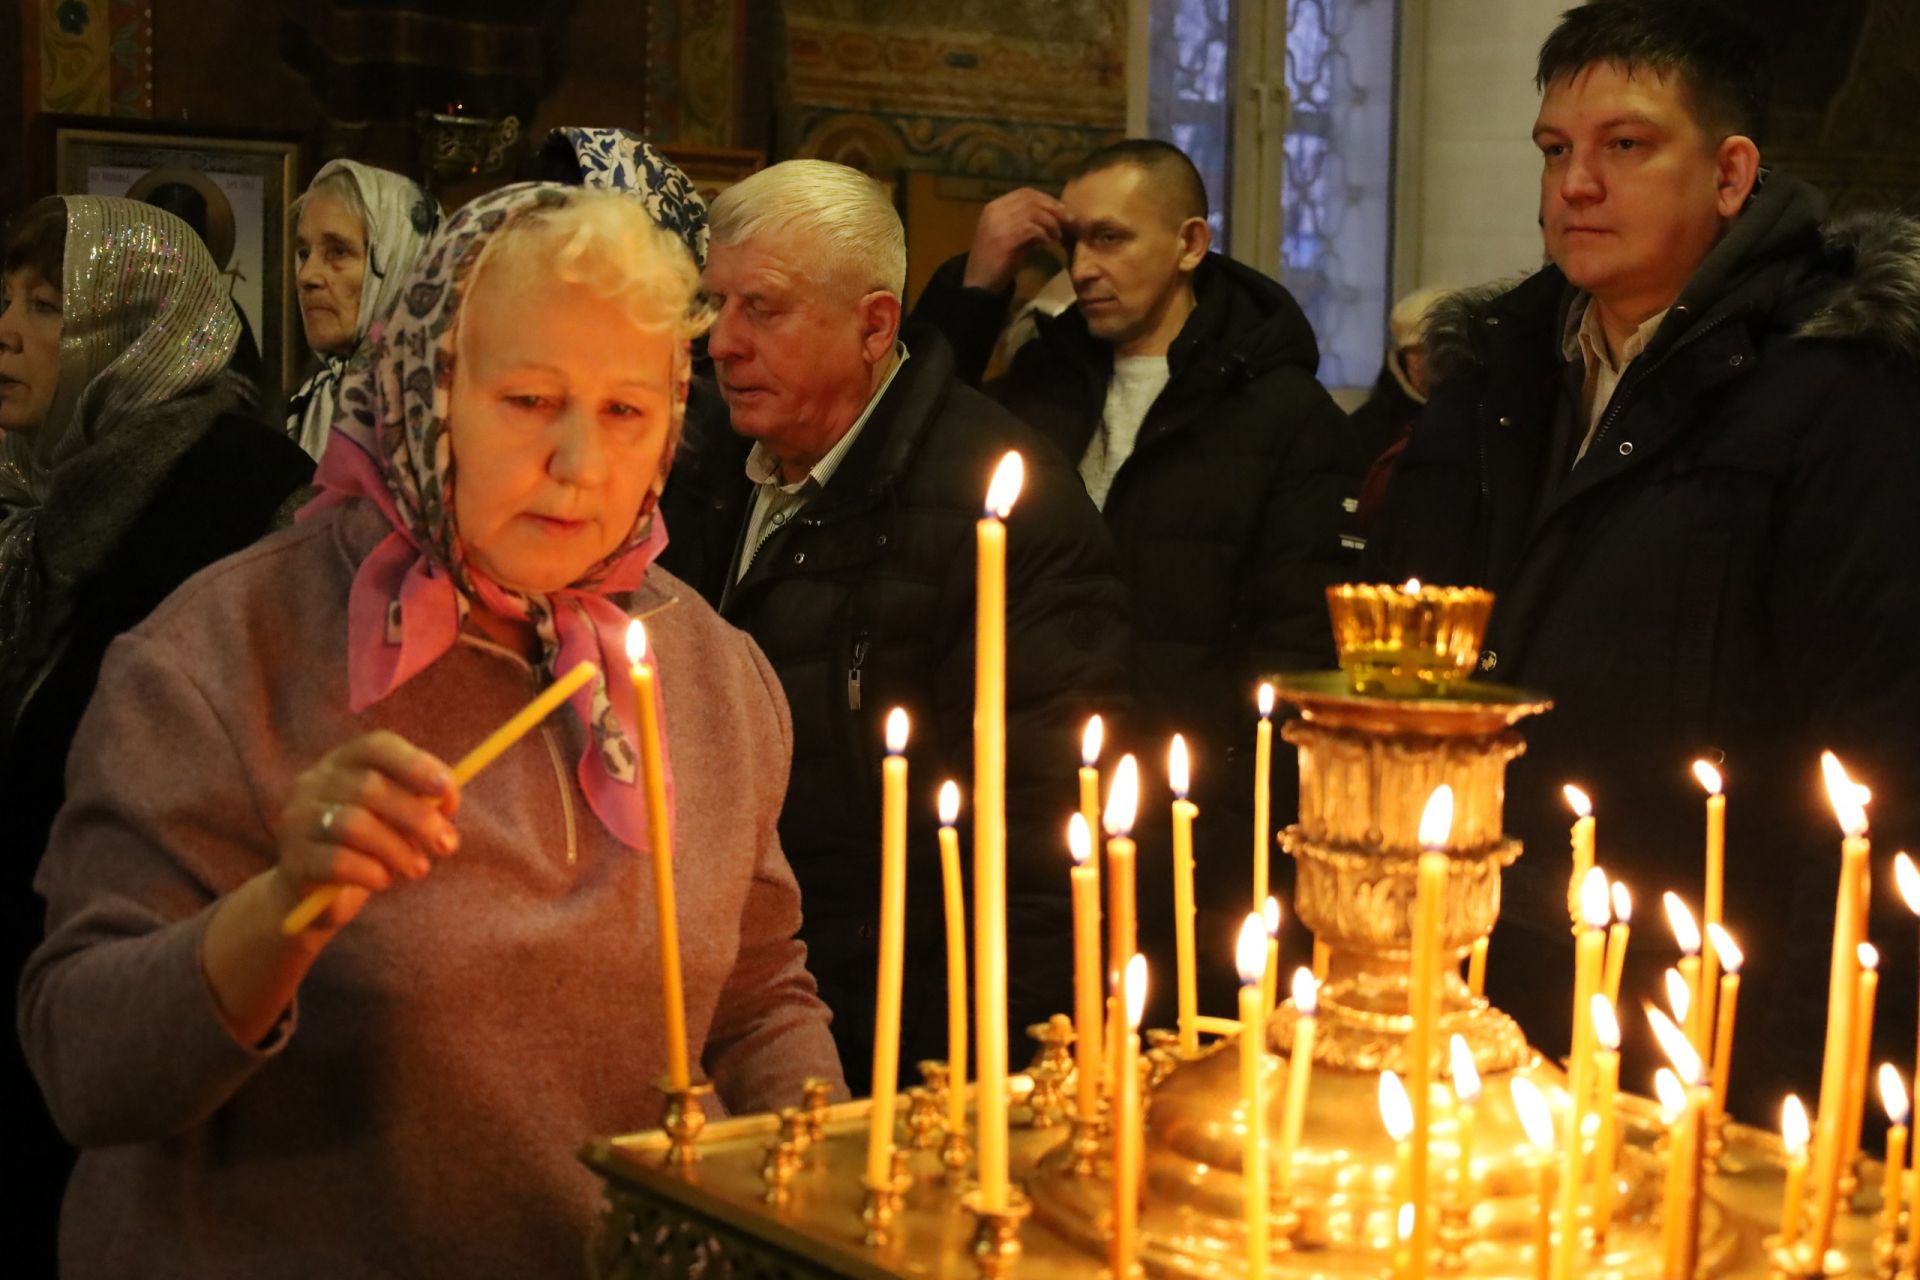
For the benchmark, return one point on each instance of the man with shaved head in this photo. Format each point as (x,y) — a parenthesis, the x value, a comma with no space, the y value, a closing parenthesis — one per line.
(1181,383)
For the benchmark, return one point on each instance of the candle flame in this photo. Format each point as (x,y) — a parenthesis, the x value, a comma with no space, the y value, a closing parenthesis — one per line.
(1136,986)
(1680,919)
(1593,899)
(1436,821)
(1674,1043)
(1250,951)
(1403,1223)
(1466,1077)
(1270,916)
(636,642)
(1708,775)
(1622,903)
(1411,588)
(1264,700)
(1007,478)
(1847,796)
(1671,1094)
(1577,801)
(1679,995)
(1396,1109)
(1079,839)
(896,731)
(1731,956)
(1606,1024)
(950,803)
(1123,797)
(1906,877)
(1795,1132)
(1177,766)
(1893,1093)
(1306,992)
(1868,955)
(1092,738)
(1536,1117)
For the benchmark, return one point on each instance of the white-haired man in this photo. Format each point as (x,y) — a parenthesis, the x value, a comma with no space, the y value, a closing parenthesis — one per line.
(834,524)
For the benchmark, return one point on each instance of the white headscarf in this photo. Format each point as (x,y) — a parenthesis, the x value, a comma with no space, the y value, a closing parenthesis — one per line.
(400,219)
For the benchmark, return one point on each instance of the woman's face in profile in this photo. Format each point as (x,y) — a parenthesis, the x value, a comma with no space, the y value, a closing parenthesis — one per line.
(561,408)
(30,325)
(330,264)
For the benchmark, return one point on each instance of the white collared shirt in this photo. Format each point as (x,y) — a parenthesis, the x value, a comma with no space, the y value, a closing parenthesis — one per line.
(1589,342)
(775,502)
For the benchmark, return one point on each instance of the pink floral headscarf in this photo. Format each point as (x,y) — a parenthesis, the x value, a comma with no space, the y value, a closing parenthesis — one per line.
(391,445)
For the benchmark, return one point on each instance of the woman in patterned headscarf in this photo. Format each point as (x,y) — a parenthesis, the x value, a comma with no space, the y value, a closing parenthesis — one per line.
(402,1088)
(358,231)
(621,160)
(132,459)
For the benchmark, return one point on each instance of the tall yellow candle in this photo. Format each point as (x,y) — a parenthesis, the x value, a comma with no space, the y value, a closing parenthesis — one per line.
(1262,792)
(1794,1137)
(1477,968)
(893,920)
(1270,978)
(956,920)
(1251,956)
(1588,944)
(1183,815)
(1582,843)
(1867,986)
(1466,1097)
(660,831)
(990,833)
(1306,1002)
(1536,1120)
(1128,1133)
(1842,981)
(1617,934)
(1092,740)
(489,750)
(1713,896)
(1606,1058)
(1685,1099)
(1436,825)
(1123,798)
(1728,953)
(1893,1097)
(1086,965)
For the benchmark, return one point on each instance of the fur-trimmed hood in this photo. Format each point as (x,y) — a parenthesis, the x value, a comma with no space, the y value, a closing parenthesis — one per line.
(1869,263)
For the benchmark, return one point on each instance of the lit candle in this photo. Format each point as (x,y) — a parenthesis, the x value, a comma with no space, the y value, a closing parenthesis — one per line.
(1466,1094)
(1396,1116)
(1270,978)
(1262,793)
(1672,1097)
(1092,738)
(1183,815)
(1893,1096)
(1582,841)
(1536,1119)
(1686,933)
(1794,1137)
(1477,968)
(1606,1058)
(956,959)
(1086,964)
(1436,826)
(1731,958)
(1250,956)
(1906,877)
(990,832)
(1306,1002)
(320,898)
(893,919)
(1128,1139)
(1712,901)
(1848,917)
(1684,1174)
(1617,942)
(660,832)
(1588,944)
(1867,986)
(1123,797)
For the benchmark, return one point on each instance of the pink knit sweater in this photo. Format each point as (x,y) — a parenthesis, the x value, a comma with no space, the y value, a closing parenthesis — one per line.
(419,1112)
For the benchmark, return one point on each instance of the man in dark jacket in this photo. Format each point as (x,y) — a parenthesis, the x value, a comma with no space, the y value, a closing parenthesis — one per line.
(835,524)
(1686,457)
(1182,383)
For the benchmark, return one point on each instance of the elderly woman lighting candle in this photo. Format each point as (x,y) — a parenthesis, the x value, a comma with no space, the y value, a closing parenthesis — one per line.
(408,1080)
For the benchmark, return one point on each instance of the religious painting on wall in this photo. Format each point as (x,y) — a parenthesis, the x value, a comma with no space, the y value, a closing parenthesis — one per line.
(233,191)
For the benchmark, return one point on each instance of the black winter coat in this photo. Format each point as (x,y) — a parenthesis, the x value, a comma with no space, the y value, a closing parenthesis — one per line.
(1729,573)
(865,602)
(1230,518)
